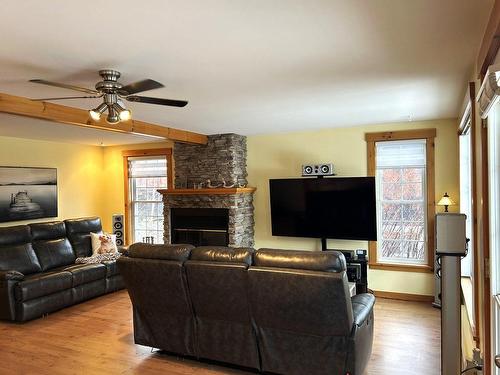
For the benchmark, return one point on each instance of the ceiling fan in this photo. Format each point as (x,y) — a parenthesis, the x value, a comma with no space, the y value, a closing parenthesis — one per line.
(113,94)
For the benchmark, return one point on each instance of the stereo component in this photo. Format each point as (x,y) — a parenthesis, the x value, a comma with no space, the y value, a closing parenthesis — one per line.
(354,272)
(325,169)
(348,254)
(118,229)
(361,254)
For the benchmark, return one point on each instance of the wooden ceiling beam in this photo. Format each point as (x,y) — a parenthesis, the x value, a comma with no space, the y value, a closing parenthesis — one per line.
(17,105)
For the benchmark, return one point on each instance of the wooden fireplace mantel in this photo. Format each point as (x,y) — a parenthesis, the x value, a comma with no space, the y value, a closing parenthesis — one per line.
(216,191)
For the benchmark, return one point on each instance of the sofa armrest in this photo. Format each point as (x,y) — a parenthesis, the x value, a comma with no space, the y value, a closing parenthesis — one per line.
(361,340)
(8,280)
(123,250)
(11,275)
(362,306)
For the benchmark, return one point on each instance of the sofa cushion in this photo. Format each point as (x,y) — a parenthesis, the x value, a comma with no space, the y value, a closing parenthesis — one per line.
(54,253)
(179,253)
(42,284)
(16,252)
(222,254)
(326,261)
(86,273)
(78,232)
(48,231)
(111,268)
(21,258)
(16,235)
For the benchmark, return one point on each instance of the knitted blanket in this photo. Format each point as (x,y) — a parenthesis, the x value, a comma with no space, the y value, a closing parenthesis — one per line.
(98,258)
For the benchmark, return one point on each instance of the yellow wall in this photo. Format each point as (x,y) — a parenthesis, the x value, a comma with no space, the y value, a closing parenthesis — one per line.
(282,155)
(113,193)
(79,172)
(90,179)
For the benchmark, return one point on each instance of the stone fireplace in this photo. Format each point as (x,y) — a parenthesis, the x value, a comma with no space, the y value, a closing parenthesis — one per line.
(222,158)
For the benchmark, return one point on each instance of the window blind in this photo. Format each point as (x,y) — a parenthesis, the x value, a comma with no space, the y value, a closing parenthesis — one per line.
(409,153)
(155,166)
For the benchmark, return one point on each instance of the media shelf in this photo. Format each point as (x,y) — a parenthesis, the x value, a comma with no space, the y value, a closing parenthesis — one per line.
(357,269)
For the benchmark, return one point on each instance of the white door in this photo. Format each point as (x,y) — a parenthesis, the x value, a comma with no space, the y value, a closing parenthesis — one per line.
(494,190)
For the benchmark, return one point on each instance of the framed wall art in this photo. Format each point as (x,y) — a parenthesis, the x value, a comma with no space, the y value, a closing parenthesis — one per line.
(27,193)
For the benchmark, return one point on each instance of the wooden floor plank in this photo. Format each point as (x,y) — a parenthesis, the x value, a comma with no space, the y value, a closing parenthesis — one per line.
(96,337)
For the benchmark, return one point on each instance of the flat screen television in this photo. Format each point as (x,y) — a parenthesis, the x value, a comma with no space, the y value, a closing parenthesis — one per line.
(335,208)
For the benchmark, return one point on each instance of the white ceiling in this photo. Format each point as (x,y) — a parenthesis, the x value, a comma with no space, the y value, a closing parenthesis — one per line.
(250,67)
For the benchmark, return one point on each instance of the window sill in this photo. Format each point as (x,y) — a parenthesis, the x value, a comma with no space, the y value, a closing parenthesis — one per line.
(401,267)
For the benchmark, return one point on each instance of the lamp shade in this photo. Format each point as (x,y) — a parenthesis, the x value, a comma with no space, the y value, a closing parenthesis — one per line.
(446,201)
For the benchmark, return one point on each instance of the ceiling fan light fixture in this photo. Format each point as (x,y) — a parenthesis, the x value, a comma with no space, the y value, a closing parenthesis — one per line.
(113,116)
(96,113)
(113,93)
(123,113)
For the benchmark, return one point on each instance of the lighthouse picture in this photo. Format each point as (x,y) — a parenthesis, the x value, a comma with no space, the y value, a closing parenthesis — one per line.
(27,193)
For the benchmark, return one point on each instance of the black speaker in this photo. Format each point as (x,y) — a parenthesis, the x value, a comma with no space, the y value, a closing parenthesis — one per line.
(118,229)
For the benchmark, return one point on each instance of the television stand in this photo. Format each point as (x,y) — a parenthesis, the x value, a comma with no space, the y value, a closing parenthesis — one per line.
(357,269)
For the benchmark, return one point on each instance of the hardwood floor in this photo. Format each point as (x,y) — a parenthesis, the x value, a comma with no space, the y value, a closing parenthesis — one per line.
(95,337)
(407,339)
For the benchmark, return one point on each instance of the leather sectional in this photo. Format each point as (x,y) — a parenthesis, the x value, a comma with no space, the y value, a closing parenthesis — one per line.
(278,311)
(38,274)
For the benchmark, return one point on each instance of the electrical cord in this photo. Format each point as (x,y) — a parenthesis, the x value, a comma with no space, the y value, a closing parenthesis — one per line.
(477,367)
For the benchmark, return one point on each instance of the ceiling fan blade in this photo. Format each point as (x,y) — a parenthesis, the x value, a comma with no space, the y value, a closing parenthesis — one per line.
(64,86)
(139,86)
(160,101)
(67,97)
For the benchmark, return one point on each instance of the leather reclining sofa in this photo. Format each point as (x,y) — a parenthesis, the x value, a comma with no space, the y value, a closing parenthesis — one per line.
(38,274)
(278,311)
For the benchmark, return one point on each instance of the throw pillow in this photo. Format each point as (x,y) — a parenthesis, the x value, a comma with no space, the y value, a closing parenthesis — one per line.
(103,243)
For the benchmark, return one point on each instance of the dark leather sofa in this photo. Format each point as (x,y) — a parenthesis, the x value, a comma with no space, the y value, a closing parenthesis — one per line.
(278,311)
(38,274)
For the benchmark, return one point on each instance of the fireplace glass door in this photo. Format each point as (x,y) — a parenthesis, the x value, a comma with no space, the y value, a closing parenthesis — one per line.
(200,226)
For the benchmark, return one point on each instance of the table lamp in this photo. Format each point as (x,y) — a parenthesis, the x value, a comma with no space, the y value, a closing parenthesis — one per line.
(445,201)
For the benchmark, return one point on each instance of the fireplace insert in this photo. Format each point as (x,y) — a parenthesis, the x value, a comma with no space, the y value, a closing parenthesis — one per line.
(200,226)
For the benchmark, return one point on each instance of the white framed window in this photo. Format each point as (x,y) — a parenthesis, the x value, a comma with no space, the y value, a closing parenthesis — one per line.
(146,171)
(400,175)
(146,175)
